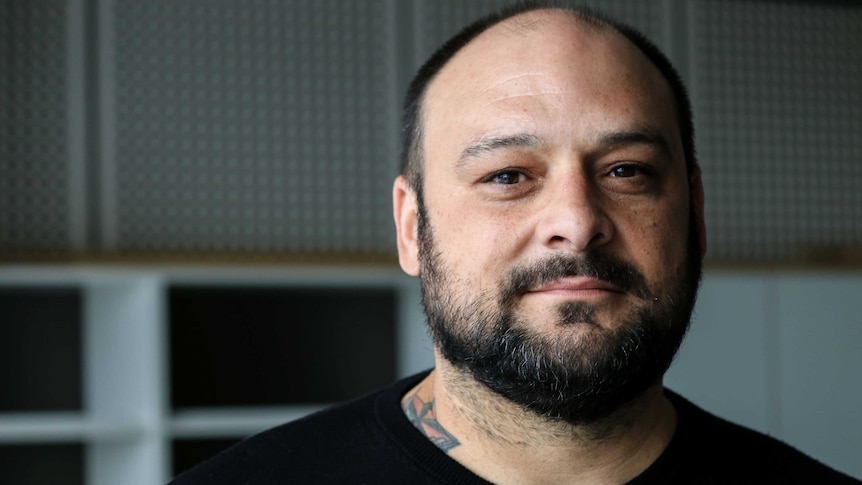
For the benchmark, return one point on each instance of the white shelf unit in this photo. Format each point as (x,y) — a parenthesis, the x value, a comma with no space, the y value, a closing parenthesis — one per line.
(774,350)
(126,423)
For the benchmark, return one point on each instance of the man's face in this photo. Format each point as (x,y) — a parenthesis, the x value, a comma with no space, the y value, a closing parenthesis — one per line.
(555,242)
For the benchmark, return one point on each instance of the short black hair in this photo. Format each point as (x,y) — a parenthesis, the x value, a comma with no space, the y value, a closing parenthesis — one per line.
(411,130)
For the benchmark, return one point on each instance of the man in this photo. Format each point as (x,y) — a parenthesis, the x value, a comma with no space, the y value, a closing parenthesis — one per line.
(551,204)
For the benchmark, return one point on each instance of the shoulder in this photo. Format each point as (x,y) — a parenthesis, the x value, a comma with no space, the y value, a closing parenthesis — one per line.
(346,440)
(712,446)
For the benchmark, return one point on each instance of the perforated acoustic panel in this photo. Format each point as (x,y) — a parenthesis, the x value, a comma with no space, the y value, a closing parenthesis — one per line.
(33,158)
(258,126)
(269,127)
(776,90)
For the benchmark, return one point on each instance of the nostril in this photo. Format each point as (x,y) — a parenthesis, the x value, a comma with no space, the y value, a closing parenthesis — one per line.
(598,238)
(580,240)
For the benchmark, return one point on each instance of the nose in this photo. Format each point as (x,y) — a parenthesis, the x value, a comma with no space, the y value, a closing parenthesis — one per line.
(573,217)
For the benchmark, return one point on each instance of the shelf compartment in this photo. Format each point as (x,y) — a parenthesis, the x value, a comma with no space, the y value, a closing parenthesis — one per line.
(40,348)
(233,346)
(32,464)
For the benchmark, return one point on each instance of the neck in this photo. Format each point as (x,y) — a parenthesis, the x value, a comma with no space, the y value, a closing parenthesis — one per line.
(489,435)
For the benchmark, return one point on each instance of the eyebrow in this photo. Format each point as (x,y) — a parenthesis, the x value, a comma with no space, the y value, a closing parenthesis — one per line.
(607,142)
(641,136)
(492,143)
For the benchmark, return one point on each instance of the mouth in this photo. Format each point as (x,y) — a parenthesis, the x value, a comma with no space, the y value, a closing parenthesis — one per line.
(577,287)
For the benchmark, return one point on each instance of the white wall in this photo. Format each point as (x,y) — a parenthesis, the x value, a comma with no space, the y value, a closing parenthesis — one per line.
(781,353)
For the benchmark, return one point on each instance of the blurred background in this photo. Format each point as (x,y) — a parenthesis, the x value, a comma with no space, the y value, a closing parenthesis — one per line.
(196,238)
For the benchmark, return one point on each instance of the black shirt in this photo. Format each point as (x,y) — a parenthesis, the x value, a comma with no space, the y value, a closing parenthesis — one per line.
(370,441)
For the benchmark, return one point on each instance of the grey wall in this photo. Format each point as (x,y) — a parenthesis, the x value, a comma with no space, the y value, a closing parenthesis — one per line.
(779,351)
(232,130)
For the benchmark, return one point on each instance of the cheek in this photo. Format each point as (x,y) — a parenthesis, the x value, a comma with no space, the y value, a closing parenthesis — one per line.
(672,245)
(657,242)
(477,246)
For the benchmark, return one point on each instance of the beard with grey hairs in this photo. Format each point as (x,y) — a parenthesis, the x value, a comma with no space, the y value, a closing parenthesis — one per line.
(574,380)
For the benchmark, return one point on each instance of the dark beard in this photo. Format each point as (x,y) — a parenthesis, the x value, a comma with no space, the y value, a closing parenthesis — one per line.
(576,381)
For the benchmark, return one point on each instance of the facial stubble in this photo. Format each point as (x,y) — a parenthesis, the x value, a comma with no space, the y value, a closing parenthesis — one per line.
(577,376)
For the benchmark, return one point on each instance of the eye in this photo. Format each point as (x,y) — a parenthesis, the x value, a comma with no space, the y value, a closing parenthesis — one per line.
(626,171)
(632,178)
(506,177)
(508,183)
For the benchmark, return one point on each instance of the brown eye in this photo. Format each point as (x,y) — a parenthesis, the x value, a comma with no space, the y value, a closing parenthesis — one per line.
(509,177)
(625,171)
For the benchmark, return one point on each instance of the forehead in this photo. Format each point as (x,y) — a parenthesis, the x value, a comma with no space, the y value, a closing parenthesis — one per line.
(547,64)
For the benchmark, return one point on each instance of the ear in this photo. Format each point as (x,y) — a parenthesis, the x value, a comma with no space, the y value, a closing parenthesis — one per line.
(697,201)
(405,211)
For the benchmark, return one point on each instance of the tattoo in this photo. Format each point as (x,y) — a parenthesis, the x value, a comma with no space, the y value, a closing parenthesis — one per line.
(423,417)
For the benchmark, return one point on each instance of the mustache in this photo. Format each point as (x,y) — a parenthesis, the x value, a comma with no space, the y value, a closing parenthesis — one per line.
(601,266)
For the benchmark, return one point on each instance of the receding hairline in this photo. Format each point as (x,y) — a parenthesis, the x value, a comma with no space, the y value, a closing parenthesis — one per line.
(528,22)
(531,20)
(522,24)
(521,19)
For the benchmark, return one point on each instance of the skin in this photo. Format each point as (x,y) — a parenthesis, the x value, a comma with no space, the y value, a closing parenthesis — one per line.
(541,136)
